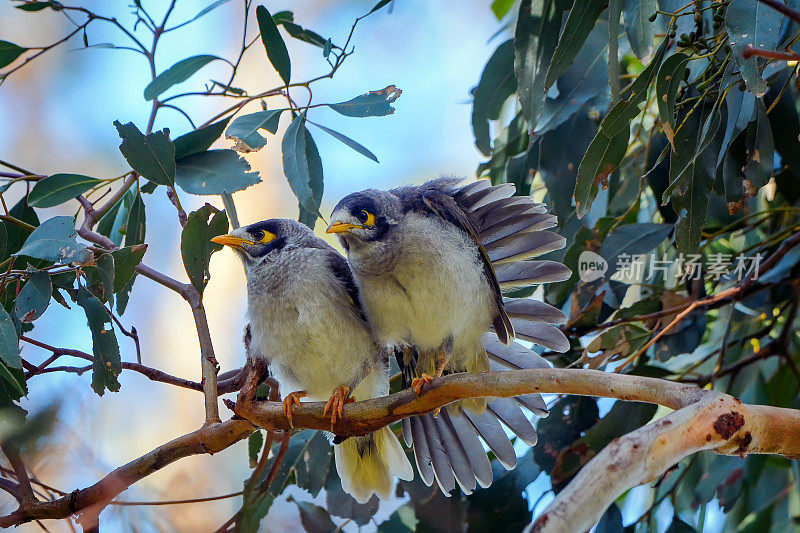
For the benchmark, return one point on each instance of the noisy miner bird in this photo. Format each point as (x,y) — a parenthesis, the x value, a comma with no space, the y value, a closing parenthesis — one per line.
(432,262)
(306,318)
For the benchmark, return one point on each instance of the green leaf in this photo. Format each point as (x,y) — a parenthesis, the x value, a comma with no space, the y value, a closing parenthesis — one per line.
(55,240)
(274,45)
(206,10)
(535,41)
(34,297)
(107,364)
(640,30)
(312,466)
(314,518)
(586,81)
(302,165)
(611,521)
(303,34)
(372,104)
(244,129)
(501,7)
(16,379)
(177,73)
(16,236)
(196,246)
(580,22)
(35,6)
(214,172)
(112,225)
(199,140)
(254,443)
(632,239)
(58,188)
(100,278)
(125,262)
(751,23)
(497,83)
(740,106)
(136,226)
(9,52)
(152,156)
(602,157)
(348,141)
(760,149)
(378,6)
(667,81)
(679,526)
(9,342)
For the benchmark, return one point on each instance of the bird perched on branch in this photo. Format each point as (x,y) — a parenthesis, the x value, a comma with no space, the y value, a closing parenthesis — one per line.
(305,315)
(431,263)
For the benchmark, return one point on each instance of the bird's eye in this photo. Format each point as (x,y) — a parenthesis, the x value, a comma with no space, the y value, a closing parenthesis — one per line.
(366,218)
(258,235)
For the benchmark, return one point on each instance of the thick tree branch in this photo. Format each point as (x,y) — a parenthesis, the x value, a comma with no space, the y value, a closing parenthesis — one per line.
(208,439)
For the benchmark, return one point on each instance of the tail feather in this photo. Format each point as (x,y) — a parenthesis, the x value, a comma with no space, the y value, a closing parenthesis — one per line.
(407,437)
(422,454)
(488,427)
(534,403)
(442,469)
(471,445)
(512,416)
(459,461)
(524,245)
(514,355)
(366,464)
(541,333)
(533,310)
(527,273)
(524,222)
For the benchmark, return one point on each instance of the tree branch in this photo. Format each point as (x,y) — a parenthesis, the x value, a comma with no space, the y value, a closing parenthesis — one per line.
(208,439)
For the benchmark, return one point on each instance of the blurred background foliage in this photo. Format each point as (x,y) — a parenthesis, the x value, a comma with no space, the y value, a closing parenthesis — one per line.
(663,134)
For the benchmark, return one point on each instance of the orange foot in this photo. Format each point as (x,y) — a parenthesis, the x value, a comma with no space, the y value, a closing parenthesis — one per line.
(336,403)
(417,384)
(292,399)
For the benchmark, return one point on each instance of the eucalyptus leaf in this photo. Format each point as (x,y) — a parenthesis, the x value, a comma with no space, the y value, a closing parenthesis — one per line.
(9,52)
(9,341)
(177,73)
(107,364)
(199,140)
(34,297)
(347,141)
(273,43)
(196,246)
(302,165)
(58,188)
(136,226)
(214,172)
(55,240)
(151,155)
(580,22)
(372,104)
(497,83)
(244,129)
(751,23)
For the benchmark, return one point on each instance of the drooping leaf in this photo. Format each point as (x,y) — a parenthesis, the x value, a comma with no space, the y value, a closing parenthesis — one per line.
(244,129)
(632,239)
(214,172)
(196,246)
(36,6)
(302,165)
(739,106)
(34,296)
(667,81)
(9,52)
(497,83)
(273,43)
(107,364)
(177,73)
(760,150)
(303,34)
(347,141)
(137,224)
(254,443)
(751,23)
(585,81)
(55,240)
(638,27)
(58,188)
(199,140)
(125,262)
(15,235)
(611,521)
(581,21)
(535,41)
(377,6)
(152,155)
(9,342)
(314,518)
(112,225)
(372,104)
(207,9)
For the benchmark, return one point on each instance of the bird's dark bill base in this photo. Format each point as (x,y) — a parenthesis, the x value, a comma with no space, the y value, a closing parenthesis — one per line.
(292,399)
(339,398)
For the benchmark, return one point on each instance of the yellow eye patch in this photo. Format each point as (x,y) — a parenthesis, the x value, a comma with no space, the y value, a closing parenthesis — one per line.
(268,237)
(366,218)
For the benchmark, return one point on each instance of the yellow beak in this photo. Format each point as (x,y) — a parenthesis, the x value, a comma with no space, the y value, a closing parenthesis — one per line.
(341,227)
(231,240)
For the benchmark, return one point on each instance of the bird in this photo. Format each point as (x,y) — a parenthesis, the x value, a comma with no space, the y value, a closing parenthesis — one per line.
(306,319)
(431,263)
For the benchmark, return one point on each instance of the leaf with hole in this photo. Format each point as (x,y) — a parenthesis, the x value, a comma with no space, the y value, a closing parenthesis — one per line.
(372,104)
(244,130)
(58,188)
(214,172)
(34,297)
(151,155)
(177,73)
(55,240)
(107,364)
